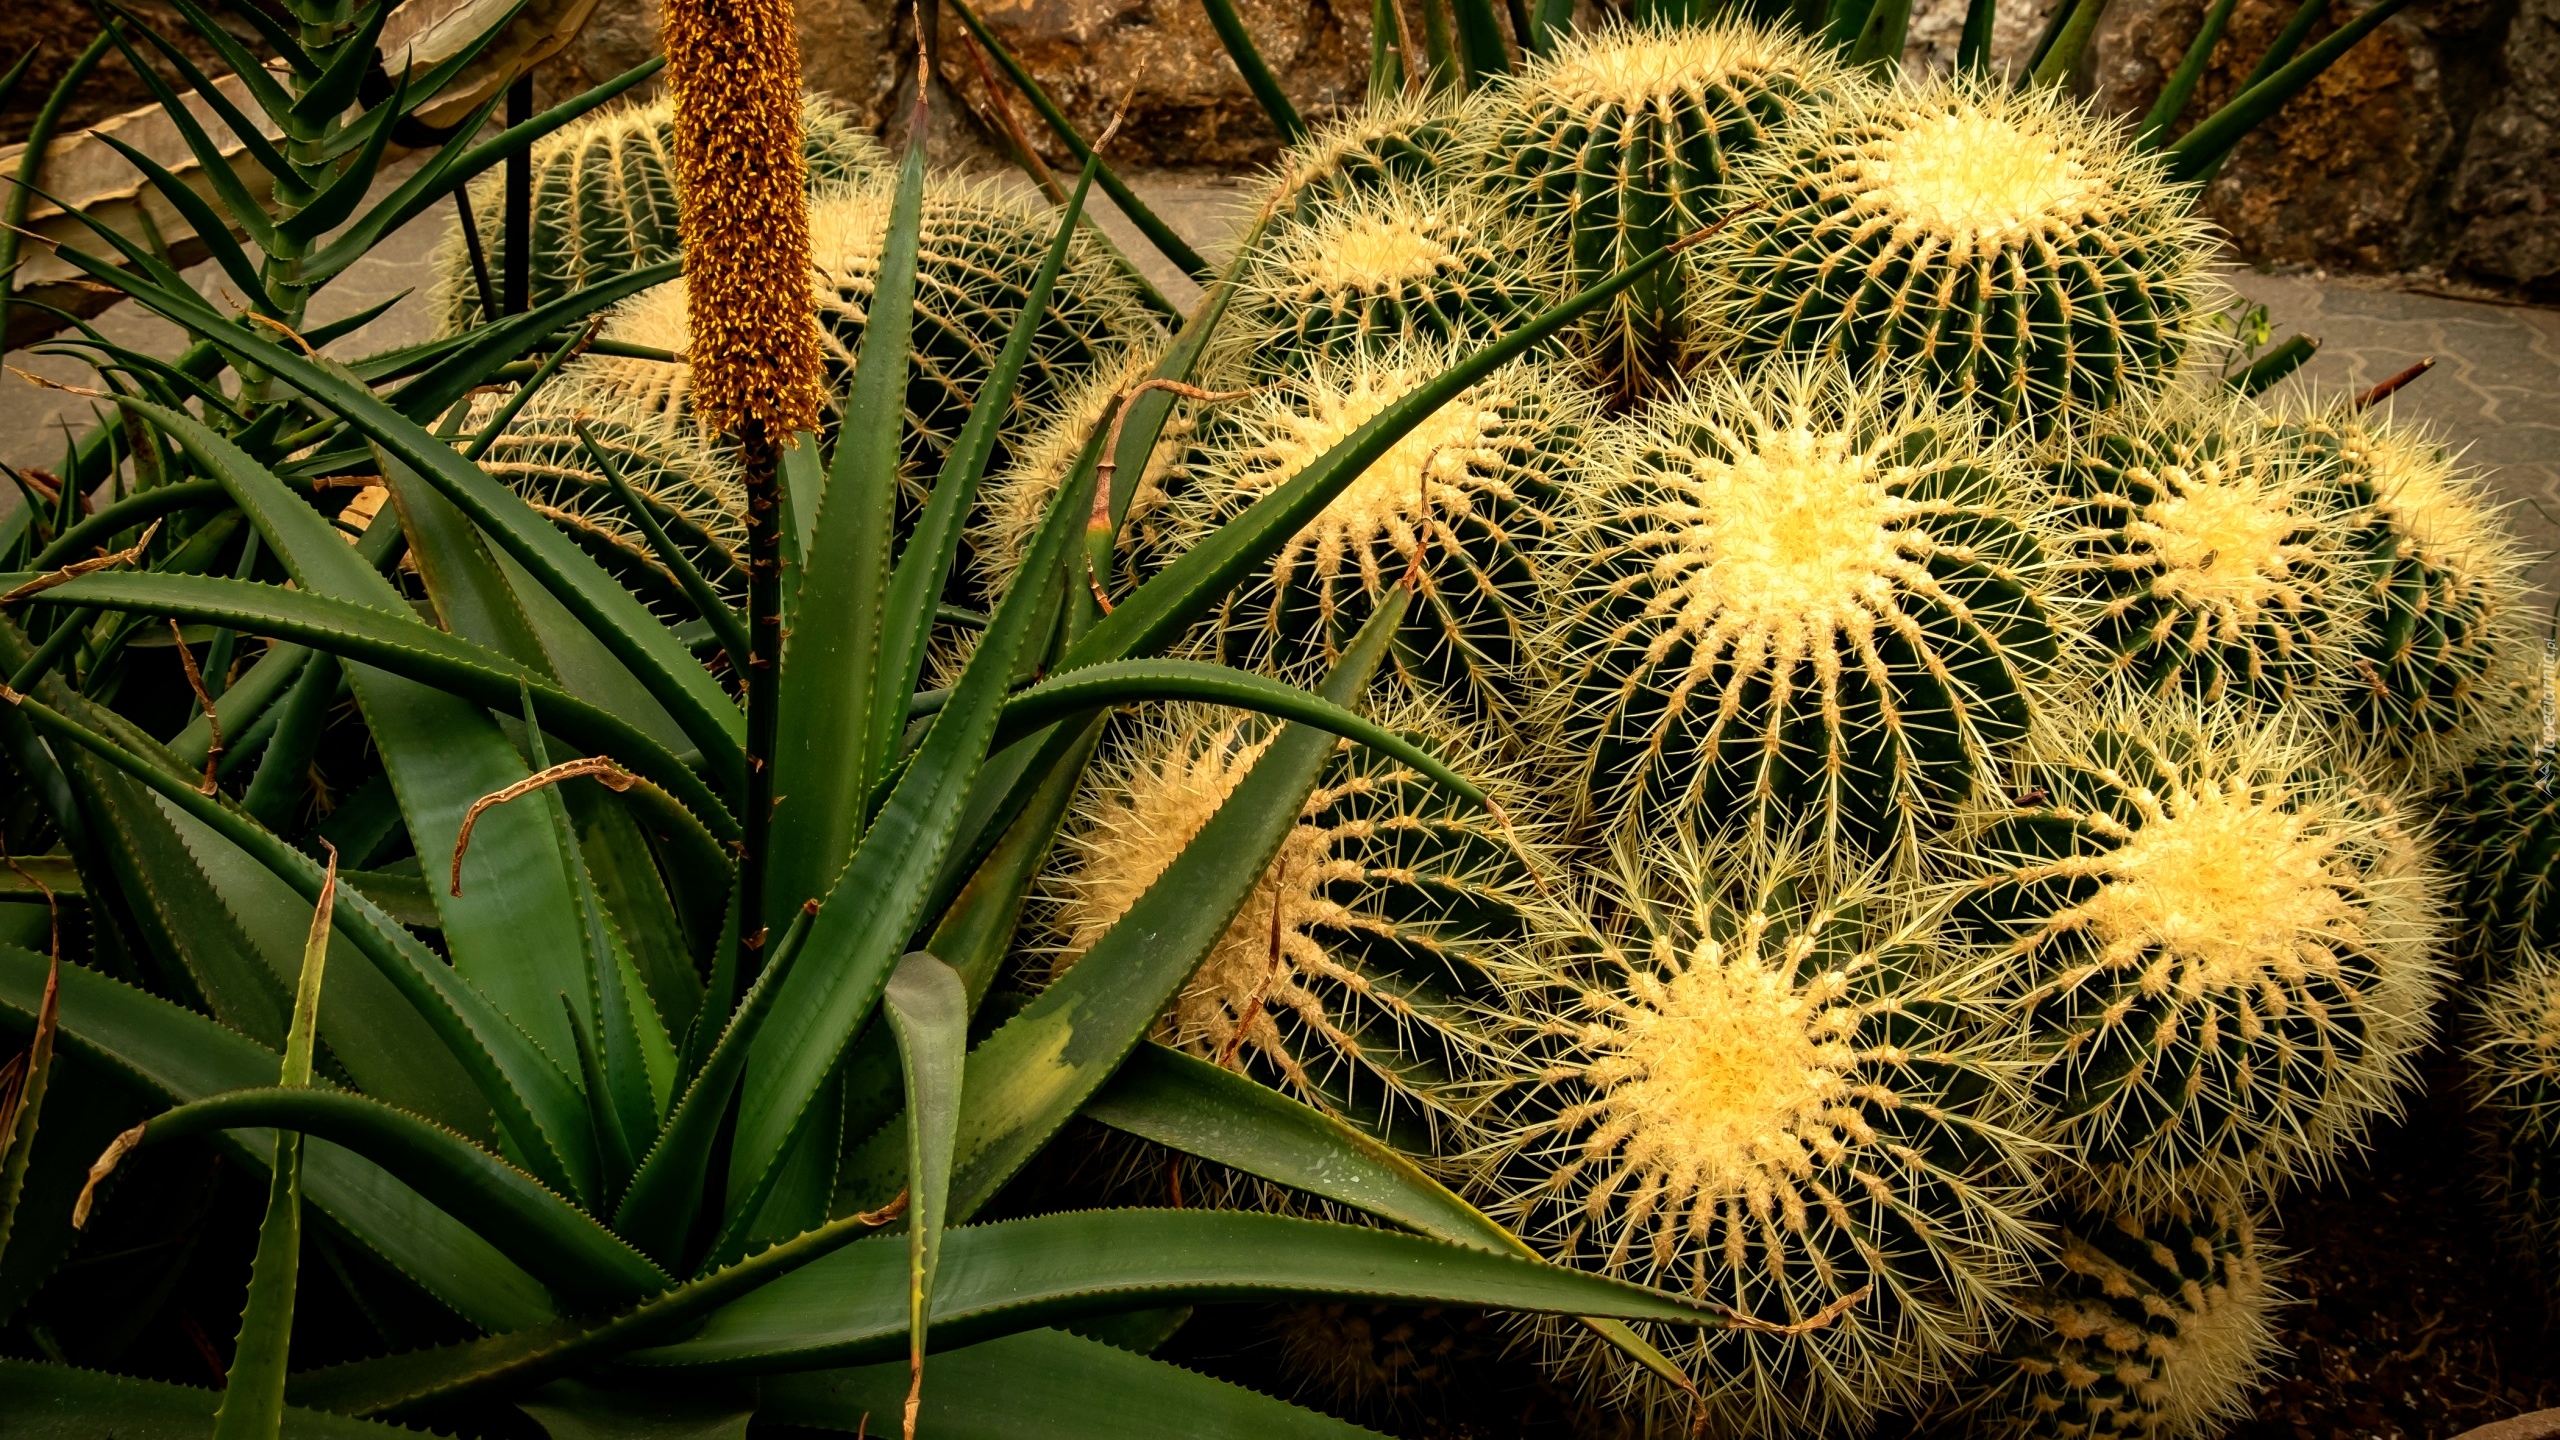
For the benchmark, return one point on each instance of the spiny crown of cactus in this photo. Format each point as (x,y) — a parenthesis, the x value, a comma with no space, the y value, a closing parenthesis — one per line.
(1013,500)
(1797,597)
(2004,246)
(1408,136)
(2500,834)
(2207,551)
(1472,492)
(1341,979)
(1402,264)
(2429,662)
(604,202)
(2220,945)
(977,252)
(692,489)
(2151,1325)
(1624,140)
(1758,1078)
(2516,1053)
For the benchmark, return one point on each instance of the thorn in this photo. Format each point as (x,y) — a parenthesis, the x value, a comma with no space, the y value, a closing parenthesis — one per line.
(2387,388)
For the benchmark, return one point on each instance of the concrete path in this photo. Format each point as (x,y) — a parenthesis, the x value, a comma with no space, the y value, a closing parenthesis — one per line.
(2495,391)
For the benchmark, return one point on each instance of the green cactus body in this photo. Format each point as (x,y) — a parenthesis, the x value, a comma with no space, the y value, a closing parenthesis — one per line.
(604,202)
(1473,490)
(2205,549)
(2220,946)
(977,253)
(691,490)
(2516,1055)
(1344,978)
(2428,662)
(1403,138)
(1771,1092)
(2500,832)
(1014,499)
(2149,1326)
(1402,264)
(1965,240)
(1797,600)
(1624,140)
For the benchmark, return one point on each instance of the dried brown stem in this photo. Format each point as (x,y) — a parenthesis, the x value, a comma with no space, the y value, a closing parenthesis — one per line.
(204,697)
(612,776)
(2388,388)
(78,568)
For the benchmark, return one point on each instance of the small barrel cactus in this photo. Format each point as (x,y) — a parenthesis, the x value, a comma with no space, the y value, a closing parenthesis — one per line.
(1401,138)
(2151,1325)
(604,202)
(2220,945)
(1343,979)
(1402,264)
(1795,598)
(1624,140)
(2209,554)
(1466,503)
(977,253)
(2428,664)
(2516,1049)
(2501,836)
(1774,1093)
(1965,239)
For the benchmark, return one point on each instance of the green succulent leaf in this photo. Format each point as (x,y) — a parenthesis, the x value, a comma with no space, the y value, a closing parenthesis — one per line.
(928,1010)
(58,1402)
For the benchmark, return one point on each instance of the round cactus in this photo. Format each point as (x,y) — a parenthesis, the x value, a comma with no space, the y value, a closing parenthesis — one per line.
(1796,598)
(2207,549)
(1391,139)
(1402,264)
(2501,835)
(2150,1326)
(2428,663)
(1016,497)
(1472,491)
(2007,247)
(2516,1049)
(604,202)
(1342,979)
(1624,140)
(2220,946)
(976,255)
(1774,1093)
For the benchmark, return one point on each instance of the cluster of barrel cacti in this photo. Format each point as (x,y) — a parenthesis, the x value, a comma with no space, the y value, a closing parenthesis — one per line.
(1974,794)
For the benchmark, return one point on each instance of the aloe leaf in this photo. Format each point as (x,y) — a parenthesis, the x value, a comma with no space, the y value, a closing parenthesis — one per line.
(370,636)
(180,1056)
(2182,82)
(210,227)
(552,1239)
(827,752)
(476,355)
(330,208)
(60,1402)
(2281,360)
(1160,610)
(22,1105)
(335,89)
(1128,682)
(878,899)
(1482,56)
(928,1010)
(1880,39)
(1159,234)
(1030,1076)
(976,928)
(1046,1385)
(1257,75)
(246,211)
(1973,47)
(2061,53)
(722,617)
(2202,148)
(529,1356)
(1018,1274)
(1207,1110)
(2288,41)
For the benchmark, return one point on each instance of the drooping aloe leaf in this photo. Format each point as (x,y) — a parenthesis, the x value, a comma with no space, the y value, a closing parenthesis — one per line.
(928,1010)
(878,899)
(1973,47)
(828,749)
(60,1402)
(2062,52)
(539,1231)
(2203,148)
(1046,1385)
(976,929)
(475,356)
(178,1055)
(1257,75)
(22,1095)
(210,227)
(2181,86)
(1019,1274)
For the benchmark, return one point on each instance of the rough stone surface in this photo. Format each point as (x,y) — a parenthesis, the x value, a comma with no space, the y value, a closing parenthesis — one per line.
(2509,180)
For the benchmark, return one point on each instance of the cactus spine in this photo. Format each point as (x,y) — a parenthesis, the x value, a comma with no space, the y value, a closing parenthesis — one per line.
(2502,839)
(1466,502)
(2149,1326)
(2516,1048)
(1738,1096)
(604,201)
(2204,546)
(1796,598)
(1398,139)
(2220,945)
(2429,660)
(2002,246)
(1624,140)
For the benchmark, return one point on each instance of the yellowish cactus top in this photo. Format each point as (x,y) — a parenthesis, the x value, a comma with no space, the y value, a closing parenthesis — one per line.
(1633,67)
